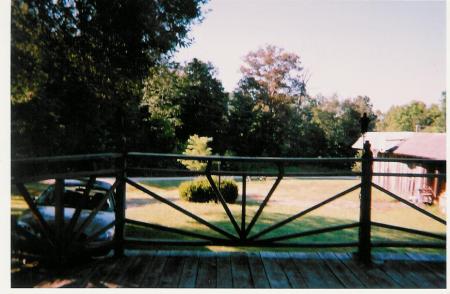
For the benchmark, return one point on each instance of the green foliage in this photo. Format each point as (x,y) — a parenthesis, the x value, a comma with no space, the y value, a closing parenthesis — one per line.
(270,109)
(415,114)
(77,69)
(339,121)
(357,166)
(203,104)
(196,146)
(186,100)
(200,190)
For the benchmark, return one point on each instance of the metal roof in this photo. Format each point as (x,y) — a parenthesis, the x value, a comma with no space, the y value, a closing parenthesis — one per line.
(424,145)
(382,141)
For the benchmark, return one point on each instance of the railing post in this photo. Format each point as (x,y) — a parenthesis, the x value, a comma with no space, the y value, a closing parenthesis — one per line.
(364,247)
(59,219)
(119,233)
(244,204)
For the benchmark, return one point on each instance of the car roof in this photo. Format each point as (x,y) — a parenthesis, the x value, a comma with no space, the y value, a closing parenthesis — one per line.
(97,184)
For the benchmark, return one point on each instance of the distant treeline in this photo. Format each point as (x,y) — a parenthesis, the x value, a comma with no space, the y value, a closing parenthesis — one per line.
(96,76)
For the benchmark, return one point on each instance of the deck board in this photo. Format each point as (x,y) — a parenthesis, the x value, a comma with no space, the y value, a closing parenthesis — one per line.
(190,269)
(275,273)
(294,277)
(370,276)
(189,272)
(207,272)
(395,267)
(136,271)
(224,272)
(257,271)
(154,272)
(240,271)
(172,271)
(342,273)
(316,273)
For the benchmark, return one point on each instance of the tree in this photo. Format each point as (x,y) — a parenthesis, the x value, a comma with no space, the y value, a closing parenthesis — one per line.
(196,146)
(186,100)
(203,104)
(241,125)
(78,66)
(160,108)
(274,82)
(277,71)
(414,116)
(340,122)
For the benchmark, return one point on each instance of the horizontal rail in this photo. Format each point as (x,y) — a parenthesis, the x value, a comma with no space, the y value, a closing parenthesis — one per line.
(133,243)
(409,160)
(169,171)
(408,230)
(137,170)
(65,175)
(305,245)
(76,157)
(243,158)
(408,244)
(425,175)
(66,158)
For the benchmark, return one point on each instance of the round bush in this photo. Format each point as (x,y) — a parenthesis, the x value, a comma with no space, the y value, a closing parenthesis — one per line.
(229,190)
(200,190)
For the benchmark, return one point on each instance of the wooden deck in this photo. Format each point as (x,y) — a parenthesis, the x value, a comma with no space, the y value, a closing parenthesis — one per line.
(189,269)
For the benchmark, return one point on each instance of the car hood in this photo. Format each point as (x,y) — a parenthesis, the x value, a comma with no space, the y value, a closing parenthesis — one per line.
(100,220)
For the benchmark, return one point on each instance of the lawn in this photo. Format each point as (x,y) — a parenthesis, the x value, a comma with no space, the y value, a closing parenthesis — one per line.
(291,197)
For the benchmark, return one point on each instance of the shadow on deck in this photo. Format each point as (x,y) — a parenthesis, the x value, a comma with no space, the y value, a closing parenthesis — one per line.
(194,269)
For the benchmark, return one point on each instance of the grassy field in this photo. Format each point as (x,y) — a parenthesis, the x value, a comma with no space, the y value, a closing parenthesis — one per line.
(291,197)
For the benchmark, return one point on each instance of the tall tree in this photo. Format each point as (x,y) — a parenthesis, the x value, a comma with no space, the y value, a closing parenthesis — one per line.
(340,122)
(187,100)
(89,58)
(203,104)
(274,81)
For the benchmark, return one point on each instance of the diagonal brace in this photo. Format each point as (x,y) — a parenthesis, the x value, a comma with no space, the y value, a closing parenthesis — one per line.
(94,212)
(36,213)
(180,209)
(264,203)
(423,211)
(221,199)
(302,213)
(73,221)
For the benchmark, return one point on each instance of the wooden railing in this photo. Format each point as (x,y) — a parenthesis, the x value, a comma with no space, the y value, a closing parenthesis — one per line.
(124,167)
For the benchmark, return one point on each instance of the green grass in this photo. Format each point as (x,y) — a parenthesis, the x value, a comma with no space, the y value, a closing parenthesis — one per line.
(164,184)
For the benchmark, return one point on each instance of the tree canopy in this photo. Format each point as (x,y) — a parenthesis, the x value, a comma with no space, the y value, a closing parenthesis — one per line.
(186,100)
(77,68)
(415,116)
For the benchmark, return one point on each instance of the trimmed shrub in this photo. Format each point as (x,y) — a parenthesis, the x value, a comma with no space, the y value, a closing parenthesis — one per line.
(200,190)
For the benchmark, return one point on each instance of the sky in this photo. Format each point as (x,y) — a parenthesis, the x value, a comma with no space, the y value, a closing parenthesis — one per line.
(392,51)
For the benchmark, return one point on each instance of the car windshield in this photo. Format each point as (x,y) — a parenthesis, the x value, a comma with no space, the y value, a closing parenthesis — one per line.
(75,194)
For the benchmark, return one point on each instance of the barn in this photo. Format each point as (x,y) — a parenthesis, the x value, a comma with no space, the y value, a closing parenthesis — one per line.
(408,145)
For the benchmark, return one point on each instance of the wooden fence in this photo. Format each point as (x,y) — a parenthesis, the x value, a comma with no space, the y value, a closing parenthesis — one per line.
(64,238)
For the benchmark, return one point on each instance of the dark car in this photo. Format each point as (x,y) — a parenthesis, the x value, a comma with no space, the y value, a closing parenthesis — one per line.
(28,234)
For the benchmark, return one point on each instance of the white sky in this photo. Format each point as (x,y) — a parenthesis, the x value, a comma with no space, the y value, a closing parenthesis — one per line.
(391,51)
